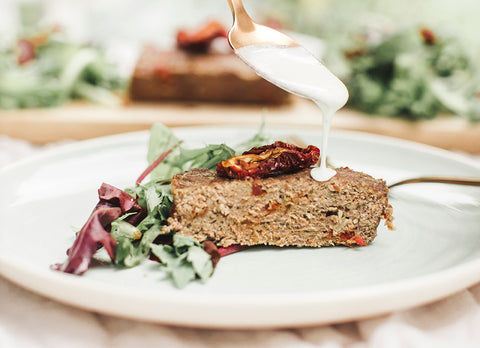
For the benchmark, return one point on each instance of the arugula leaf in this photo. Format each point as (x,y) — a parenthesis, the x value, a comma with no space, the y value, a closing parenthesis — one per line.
(134,241)
(130,253)
(157,198)
(206,157)
(181,159)
(122,229)
(162,140)
(184,261)
(201,262)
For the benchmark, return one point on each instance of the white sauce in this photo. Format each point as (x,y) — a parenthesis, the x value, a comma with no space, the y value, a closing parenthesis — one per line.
(297,71)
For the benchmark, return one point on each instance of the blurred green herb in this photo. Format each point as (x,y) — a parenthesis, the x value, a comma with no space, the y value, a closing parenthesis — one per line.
(415,74)
(44,70)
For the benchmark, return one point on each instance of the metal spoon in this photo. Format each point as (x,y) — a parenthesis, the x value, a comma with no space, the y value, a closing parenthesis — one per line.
(246,32)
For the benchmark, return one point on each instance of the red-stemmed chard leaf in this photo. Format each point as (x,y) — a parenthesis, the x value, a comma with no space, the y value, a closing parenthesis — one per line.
(212,250)
(232,249)
(155,164)
(96,232)
(217,253)
(112,196)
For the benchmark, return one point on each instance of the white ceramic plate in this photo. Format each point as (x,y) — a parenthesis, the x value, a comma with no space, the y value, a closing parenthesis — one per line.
(434,252)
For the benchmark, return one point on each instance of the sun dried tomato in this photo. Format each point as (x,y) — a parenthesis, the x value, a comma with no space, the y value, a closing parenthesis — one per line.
(428,36)
(26,47)
(266,160)
(26,51)
(199,40)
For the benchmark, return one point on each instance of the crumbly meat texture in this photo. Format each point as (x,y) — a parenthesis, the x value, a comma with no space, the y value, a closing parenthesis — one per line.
(214,77)
(284,210)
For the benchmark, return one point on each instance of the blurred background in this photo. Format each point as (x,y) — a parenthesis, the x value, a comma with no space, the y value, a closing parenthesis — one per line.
(408,60)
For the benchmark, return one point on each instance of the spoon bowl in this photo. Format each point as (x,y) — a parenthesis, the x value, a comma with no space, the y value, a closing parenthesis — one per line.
(245,32)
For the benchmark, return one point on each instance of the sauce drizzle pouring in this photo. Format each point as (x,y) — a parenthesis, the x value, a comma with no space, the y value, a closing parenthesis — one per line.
(297,71)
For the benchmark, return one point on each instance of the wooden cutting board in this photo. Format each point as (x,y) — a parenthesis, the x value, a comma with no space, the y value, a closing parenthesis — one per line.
(82,121)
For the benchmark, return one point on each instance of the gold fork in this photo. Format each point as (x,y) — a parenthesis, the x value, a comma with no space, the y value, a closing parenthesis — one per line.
(440,180)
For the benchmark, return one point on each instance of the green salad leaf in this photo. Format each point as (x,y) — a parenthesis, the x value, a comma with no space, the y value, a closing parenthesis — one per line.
(184,260)
(183,158)
(134,241)
(130,253)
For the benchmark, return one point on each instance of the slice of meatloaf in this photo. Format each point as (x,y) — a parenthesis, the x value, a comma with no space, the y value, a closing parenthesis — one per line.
(284,210)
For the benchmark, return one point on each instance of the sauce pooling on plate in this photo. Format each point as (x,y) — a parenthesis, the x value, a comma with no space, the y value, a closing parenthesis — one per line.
(297,71)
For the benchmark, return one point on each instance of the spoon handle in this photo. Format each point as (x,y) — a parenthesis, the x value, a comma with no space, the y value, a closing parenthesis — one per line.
(235,6)
(240,15)
(440,179)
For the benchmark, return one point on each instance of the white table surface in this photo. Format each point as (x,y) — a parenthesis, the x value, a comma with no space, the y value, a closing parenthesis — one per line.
(29,320)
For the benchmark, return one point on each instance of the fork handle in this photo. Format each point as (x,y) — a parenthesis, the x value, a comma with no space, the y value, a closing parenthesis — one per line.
(439,179)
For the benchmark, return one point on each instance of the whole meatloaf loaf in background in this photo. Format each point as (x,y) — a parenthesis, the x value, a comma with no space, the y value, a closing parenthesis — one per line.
(282,210)
(196,72)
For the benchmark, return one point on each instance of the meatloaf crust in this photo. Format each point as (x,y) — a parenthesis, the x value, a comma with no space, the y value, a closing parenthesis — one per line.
(284,210)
